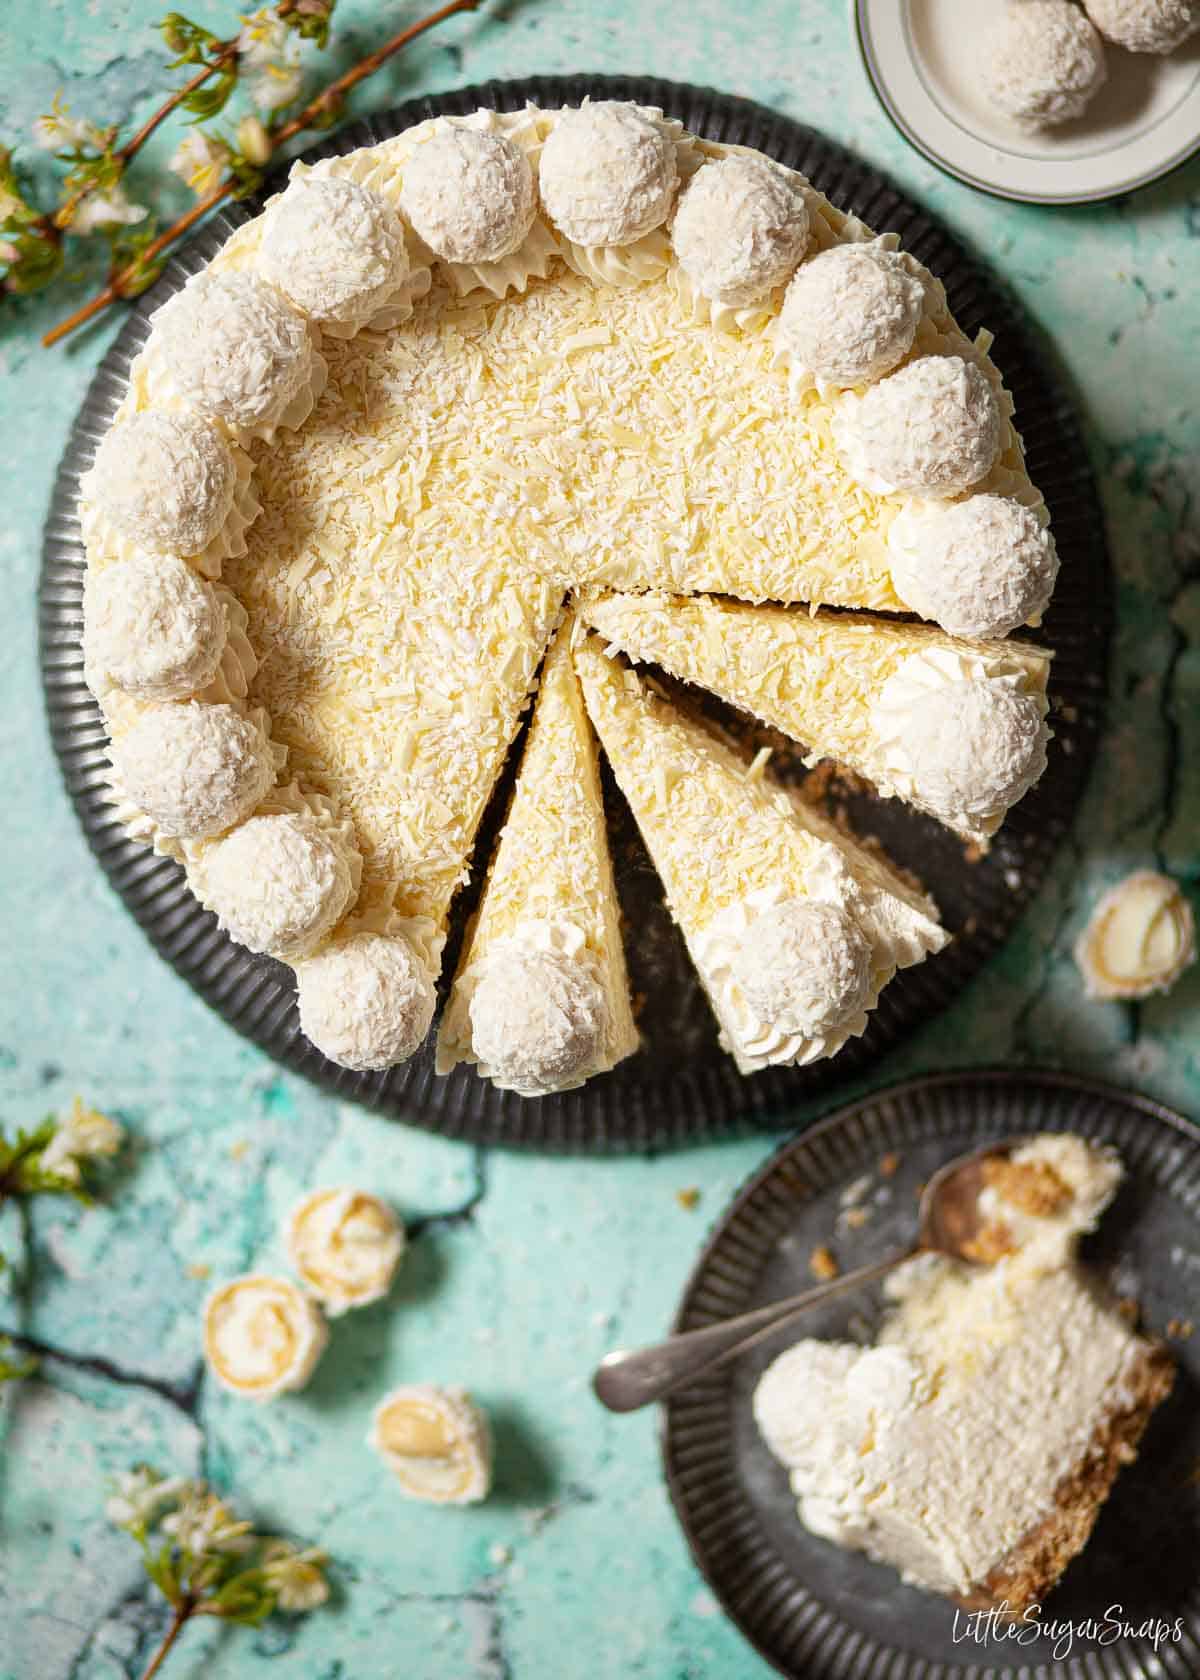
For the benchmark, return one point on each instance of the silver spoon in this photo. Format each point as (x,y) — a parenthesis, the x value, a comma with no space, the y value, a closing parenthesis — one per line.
(948,1220)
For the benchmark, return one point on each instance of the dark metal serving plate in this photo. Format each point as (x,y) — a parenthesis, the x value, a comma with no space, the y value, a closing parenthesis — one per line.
(680,1085)
(821,1613)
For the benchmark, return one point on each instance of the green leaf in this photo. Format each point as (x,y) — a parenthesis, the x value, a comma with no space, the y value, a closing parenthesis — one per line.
(211,100)
(160,1567)
(189,40)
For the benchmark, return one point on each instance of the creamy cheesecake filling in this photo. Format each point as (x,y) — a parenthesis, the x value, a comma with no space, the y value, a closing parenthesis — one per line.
(942,1448)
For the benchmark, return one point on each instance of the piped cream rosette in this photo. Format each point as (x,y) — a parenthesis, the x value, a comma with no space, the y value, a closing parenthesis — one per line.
(345,1245)
(262,1336)
(436,1442)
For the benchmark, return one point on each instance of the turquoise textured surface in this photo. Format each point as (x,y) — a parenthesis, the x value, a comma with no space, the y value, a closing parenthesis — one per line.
(522,1271)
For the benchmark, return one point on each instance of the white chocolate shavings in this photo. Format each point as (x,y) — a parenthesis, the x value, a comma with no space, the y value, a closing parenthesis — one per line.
(740,229)
(236,350)
(469,195)
(607,173)
(365,1002)
(550,887)
(1041,62)
(336,250)
(194,769)
(959,736)
(345,1245)
(152,627)
(166,482)
(978,567)
(932,429)
(279,883)
(851,314)
(1145,26)
(1139,938)
(262,1336)
(436,1442)
(538,1017)
(727,847)
(820,679)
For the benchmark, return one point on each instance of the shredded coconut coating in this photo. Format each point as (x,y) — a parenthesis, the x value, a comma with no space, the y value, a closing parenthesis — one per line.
(741,228)
(975,746)
(850,314)
(279,883)
(236,348)
(366,1002)
(607,174)
(469,195)
(806,969)
(153,628)
(165,481)
(1041,62)
(194,769)
(932,429)
(979,567)
(1145,26)
(537,1017)
(335,248)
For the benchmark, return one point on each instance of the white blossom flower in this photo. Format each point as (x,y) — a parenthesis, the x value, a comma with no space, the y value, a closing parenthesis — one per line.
(58,131)
(138,1495)
(83,1134)
(106,210)
(204,1524)
(254,142)
(200,161)
(295,1576)
(263,40)
(277,85)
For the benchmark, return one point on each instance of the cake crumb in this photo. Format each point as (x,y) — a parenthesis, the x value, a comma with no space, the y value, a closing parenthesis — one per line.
(1032,1186)
(889,1164)
(854,1218)
(688,1198)
(989,1244)
(1127,1307)
(199,1269)
(1180,1329)
(822,1264)
(239,1150)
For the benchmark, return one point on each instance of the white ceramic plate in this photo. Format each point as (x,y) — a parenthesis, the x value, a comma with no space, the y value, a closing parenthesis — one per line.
(920,54)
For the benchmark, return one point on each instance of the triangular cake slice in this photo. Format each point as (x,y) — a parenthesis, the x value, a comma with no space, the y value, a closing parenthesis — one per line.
(955,727)
(794,927)
(540,1001)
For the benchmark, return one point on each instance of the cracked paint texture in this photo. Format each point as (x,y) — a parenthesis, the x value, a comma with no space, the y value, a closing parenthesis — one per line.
(521,1271)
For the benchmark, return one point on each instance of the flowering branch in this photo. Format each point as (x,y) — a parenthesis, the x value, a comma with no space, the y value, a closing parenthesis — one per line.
(205,1560)
(53,1157)
(215,169)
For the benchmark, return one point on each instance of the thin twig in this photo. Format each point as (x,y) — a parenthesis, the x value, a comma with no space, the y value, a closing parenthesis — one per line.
(324,101)
(182,1614)
(226,50)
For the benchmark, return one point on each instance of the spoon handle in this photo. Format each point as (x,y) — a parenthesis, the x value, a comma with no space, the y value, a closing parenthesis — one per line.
(625,1381)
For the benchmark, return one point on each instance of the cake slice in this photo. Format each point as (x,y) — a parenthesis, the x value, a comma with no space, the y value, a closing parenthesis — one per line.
(972,1447)
(955,727)
(540,1001)
(793,927)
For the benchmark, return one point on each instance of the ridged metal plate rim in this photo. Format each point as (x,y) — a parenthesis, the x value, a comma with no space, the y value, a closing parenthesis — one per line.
(645,1103)
(802,1635)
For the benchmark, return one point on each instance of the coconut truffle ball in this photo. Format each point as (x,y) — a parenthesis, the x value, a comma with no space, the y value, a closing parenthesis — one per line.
(933,429)
(279,883)
(469,195)
(1041,62)
(153,627)
(365,1002)
(335,248)
(850,314)
(607,174)
(195,770)
(537,1019)
(974,747)
(236,349)
(740,230)
(165,481)
(977,568)
(1145,26)
(805,968)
